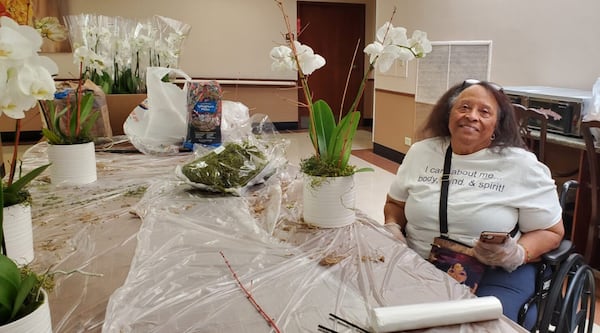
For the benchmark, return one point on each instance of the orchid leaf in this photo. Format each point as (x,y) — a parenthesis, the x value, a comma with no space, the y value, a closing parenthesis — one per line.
(20,183)
(10,280)
(343,134)
(66,127)
(9,273)
(27,285)
(8,293)
(324,126)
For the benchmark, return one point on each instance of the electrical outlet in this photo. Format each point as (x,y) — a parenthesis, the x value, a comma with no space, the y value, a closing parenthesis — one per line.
(407,141)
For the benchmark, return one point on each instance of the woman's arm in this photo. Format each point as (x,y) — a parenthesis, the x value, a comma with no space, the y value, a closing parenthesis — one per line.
(538,242)
(393,212)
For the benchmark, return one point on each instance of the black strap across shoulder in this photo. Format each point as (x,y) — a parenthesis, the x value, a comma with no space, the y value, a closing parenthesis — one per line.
(443,213)
(443,216)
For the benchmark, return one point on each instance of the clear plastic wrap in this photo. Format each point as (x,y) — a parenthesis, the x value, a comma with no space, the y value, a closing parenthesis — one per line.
(157,243)
(247,159)
(127,47)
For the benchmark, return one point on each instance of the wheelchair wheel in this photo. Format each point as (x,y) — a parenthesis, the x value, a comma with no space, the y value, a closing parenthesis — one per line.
(570,303)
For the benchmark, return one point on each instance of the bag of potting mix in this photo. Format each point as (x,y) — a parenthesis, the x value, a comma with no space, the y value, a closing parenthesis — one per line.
(204,102)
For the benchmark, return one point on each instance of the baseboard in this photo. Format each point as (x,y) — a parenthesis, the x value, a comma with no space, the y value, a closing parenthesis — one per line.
(26,136)
(388,153)
(35,136)
(286,126)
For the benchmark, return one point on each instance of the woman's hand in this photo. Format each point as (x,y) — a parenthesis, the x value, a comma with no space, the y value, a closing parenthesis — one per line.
(508,255)
(396,230)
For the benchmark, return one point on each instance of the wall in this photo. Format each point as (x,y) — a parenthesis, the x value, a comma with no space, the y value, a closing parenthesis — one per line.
(229,39)
(535,42)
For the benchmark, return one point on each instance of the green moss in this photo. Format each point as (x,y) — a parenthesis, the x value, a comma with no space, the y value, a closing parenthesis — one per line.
(317,167)
(230,166)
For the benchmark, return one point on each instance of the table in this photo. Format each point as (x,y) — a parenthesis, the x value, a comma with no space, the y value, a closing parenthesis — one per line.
(157,244)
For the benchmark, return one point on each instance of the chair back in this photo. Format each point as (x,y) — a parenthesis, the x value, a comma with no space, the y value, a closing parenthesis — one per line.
(589,128)
(525,117)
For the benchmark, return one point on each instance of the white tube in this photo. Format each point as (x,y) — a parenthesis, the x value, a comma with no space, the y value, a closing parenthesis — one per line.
(416,316)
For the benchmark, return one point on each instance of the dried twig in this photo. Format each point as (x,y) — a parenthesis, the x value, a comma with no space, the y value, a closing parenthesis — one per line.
(249,296)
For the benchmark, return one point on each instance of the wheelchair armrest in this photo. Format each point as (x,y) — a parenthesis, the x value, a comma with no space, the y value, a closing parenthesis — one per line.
(559,254)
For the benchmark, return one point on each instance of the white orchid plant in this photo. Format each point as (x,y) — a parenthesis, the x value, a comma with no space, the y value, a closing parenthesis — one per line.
(118,50)
(333,141)
(25,78)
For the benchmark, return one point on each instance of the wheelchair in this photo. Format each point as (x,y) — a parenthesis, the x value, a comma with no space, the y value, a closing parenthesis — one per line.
(565,290)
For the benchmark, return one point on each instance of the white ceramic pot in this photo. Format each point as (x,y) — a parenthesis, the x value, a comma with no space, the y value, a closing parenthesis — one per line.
(18,233)
(72,164)
(329,202)
(39,321)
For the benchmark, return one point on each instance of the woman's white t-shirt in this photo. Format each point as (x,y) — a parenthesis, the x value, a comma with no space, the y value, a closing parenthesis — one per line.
(489,191)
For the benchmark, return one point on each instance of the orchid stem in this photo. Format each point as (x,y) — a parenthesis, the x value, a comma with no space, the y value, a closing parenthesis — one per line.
(303,79)
(13,162)
(249,296)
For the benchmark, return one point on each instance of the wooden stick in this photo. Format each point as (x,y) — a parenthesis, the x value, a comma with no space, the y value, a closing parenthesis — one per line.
(249,296)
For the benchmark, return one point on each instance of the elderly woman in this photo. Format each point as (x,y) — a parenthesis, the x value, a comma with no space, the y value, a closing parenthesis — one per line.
(495,184)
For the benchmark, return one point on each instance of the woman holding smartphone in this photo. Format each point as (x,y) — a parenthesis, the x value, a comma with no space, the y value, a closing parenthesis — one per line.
(495,185)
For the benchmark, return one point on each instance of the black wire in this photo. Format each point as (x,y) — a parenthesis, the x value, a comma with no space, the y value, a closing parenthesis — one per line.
(349,323)
(326,329)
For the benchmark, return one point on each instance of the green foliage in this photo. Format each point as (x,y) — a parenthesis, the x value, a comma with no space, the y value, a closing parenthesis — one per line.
(334,143)
(233,167)
(120,82)
(20,290)
(125,82)
(16,193)
(64,127)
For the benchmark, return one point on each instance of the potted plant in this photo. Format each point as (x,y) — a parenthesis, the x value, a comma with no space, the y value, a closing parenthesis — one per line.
(331,139)
(23,299)
(27,78)
(16,234)
(125,48)
(69,119)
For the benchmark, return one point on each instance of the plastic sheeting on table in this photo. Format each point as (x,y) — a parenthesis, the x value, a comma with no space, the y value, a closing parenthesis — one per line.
(170,277)
(298,274)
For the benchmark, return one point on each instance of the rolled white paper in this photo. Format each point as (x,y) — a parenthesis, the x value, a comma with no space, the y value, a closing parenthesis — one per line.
(415,316)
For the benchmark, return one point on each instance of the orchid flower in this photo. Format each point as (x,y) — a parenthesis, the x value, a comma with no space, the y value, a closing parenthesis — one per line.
(89,58)
(332,140)
(392,44)
(283,57)
(25,77)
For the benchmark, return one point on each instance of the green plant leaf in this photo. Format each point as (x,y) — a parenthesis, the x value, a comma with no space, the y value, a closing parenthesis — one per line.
(27,285)
(342,137)
(66,128)
(20,183)
(324,125)
(10,280)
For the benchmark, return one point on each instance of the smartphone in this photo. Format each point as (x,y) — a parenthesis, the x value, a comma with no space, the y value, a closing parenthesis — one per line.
(493,237)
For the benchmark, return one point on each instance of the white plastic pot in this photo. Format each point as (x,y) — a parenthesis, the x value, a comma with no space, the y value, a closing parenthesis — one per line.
(39,321)
(329,202)
(72,164)
(18,233)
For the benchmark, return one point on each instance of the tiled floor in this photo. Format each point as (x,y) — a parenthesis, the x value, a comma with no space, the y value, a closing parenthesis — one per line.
(372,186)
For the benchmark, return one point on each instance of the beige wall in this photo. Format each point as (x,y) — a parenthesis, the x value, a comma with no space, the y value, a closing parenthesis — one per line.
(229,39)
(535,42)
(395,119)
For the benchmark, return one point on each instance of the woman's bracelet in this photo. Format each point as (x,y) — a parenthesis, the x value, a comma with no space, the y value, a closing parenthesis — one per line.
(527,258)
